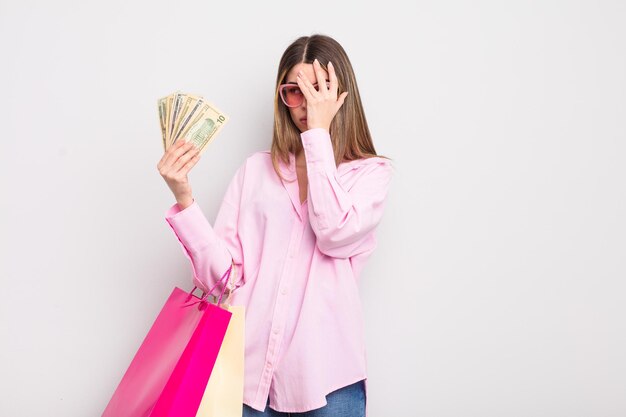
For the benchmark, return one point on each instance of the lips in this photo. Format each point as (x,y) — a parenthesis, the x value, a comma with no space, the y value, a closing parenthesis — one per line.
(303,121)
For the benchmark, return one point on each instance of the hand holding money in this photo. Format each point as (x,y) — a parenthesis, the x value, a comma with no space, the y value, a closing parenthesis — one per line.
(188,123)
(174,167)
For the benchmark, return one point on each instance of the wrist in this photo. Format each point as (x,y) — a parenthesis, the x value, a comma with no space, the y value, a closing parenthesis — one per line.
(184,202)
(327,129)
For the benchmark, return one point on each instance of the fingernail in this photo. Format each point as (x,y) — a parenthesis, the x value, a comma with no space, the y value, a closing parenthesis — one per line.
(330,64)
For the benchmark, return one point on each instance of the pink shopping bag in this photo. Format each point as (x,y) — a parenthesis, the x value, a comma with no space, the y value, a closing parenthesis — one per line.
(170,371)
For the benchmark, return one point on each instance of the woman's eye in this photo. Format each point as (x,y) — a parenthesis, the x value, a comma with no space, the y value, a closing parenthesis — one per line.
(317,87)
(294,90)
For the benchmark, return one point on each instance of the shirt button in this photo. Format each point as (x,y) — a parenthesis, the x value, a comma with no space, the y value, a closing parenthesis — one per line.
(284,291)
(275,331)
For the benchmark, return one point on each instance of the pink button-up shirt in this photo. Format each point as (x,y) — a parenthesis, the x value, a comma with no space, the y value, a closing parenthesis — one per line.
(296,268)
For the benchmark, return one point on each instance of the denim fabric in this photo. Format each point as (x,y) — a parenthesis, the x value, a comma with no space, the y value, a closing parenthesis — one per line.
(348,401)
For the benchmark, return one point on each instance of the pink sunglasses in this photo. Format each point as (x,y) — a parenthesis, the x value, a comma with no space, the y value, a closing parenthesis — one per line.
(291,94)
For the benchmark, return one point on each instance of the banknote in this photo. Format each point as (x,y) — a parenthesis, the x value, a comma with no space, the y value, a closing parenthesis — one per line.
(189,117)
(162,119)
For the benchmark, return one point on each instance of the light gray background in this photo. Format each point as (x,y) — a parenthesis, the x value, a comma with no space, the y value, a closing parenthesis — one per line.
(498,286)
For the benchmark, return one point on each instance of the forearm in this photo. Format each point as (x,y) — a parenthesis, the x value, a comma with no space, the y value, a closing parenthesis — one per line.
(208,254)
(343,216)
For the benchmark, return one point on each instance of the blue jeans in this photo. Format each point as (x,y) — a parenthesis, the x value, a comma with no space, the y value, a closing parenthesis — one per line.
(345,402)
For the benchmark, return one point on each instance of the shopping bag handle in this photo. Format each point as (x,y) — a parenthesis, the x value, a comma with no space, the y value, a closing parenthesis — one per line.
(205,295)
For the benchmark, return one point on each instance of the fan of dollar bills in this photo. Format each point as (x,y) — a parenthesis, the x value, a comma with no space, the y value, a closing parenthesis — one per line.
(189,117)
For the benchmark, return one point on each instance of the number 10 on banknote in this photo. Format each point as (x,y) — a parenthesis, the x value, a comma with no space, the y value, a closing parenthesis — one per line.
(189,117)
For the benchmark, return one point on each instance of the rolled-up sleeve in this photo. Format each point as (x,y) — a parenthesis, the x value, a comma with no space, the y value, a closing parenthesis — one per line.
(343,219)
(212,249)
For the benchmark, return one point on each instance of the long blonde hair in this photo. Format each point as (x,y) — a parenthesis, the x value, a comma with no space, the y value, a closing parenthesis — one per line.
(349,132)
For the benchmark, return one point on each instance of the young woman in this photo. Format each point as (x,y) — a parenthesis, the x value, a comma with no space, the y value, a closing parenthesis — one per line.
(298,224)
